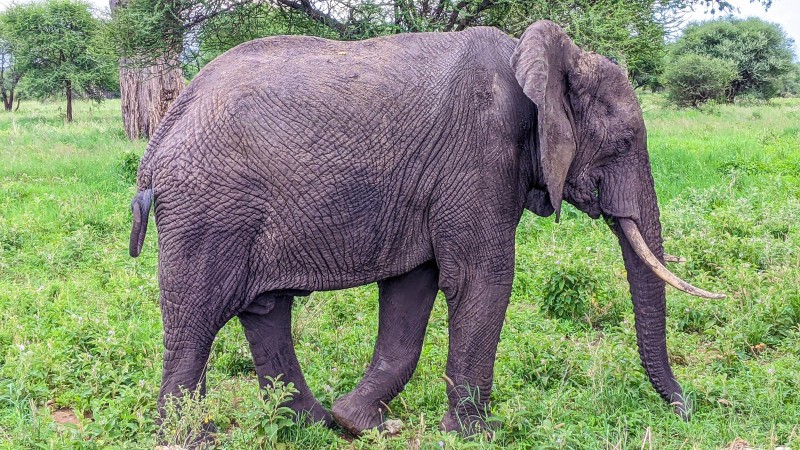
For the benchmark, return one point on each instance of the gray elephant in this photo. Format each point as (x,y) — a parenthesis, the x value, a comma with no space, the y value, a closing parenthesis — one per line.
(297,164)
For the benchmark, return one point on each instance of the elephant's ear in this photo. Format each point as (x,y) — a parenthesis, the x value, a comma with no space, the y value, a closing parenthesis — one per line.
(541,62)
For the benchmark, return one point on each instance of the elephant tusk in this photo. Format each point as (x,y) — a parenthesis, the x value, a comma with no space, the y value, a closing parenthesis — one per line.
(673,258)
(637,242)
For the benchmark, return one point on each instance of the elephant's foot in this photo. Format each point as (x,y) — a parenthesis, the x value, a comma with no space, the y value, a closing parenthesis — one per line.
(356,415)
(310,411)
(465,425)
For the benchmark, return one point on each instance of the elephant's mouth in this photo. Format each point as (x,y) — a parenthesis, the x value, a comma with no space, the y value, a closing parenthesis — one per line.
(585,197)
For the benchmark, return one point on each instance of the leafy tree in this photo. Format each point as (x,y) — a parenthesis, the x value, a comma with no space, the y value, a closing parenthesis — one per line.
(60,48)
(630,32)
(760,50)
(695,79)
(9,74)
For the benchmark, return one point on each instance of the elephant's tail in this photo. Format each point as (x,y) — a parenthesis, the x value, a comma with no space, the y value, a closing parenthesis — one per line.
(140,206)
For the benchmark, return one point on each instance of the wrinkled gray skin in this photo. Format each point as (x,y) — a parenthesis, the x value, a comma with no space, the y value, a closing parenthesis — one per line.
(297,164)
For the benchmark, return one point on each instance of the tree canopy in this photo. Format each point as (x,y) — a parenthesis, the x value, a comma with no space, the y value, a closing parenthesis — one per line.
(59,47)
(760,51)
(631,31)
(153,35)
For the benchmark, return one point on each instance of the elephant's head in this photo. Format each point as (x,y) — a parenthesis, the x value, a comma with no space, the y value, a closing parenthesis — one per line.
(591,145)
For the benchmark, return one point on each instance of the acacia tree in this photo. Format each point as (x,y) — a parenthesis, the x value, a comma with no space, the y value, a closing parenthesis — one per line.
(149,84)
(57,44)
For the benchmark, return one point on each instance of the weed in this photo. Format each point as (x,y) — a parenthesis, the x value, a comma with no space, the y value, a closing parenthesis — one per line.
(128,166)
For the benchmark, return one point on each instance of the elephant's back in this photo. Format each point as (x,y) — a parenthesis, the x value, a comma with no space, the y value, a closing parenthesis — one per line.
(302,63)
(343,144)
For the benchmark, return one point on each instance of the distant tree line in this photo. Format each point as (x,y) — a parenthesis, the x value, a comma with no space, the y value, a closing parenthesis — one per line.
(147,47)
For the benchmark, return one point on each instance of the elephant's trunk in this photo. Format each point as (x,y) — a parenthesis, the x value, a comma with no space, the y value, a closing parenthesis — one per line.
(649,301)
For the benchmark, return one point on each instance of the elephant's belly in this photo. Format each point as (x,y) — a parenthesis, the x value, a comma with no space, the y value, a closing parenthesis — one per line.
(327,255)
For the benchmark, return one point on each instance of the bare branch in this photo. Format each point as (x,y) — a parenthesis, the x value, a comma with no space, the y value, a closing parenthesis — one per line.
(315,14)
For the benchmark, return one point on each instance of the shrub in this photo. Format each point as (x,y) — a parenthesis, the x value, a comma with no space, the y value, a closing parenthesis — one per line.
(129,165)
(695,79)
(576,293)
(761,52)
(789,84)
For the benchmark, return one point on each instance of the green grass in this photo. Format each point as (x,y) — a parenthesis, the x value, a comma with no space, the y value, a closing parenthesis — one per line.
(80,326)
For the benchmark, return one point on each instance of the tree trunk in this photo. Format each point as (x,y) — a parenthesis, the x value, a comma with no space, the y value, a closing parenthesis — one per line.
(69,100)
(147,93)
(8,93)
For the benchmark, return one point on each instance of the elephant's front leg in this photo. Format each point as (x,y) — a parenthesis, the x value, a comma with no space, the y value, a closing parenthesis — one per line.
(405,306)
(267,326)
(476,315)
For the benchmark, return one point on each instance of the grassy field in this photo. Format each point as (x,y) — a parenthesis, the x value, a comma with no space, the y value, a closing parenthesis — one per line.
(80,332)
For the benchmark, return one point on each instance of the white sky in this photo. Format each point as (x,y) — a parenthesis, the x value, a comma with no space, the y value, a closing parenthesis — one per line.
(784,12)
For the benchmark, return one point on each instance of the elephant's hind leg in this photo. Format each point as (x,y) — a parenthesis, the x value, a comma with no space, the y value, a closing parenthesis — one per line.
(267,326)
(188,337)
(405,306)
(185,357)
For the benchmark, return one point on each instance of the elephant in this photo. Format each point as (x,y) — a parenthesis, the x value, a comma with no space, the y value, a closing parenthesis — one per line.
(296,164)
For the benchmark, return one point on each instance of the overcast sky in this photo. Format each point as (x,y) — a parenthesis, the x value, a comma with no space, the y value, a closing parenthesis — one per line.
(784,12)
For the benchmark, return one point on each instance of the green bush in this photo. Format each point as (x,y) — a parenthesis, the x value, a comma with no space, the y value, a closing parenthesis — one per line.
(129,165)
(760,51)
(695,79)
(577,293)
(789,84)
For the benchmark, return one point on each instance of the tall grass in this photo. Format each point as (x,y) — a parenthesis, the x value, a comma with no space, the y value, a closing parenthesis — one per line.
(80,326)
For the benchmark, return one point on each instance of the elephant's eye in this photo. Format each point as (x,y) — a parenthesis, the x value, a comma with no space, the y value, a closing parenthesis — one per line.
(625,141)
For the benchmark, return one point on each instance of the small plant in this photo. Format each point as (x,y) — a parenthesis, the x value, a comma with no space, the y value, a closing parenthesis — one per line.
(694,320)
(572,293)
(187,419)
(266,419)
(565,295)
(129,165)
